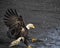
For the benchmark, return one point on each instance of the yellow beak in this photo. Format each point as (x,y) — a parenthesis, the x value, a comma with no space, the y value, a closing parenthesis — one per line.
(33,27)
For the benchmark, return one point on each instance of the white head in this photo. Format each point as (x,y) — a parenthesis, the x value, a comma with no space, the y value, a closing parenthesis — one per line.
(29,26)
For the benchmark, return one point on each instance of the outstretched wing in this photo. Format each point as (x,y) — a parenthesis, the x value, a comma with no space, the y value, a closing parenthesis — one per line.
(12,19)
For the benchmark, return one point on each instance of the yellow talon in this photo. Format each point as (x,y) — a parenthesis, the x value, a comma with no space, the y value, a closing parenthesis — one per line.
(29,46)
(34,40)
(33,27)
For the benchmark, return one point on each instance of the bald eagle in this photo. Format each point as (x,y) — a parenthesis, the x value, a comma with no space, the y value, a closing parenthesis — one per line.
(16,25)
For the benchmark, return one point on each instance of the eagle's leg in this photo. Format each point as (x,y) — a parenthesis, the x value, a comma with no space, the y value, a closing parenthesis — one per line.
(26,42)
(34,40)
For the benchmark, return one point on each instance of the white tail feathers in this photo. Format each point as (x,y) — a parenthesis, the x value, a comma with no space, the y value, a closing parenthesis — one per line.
(16,42)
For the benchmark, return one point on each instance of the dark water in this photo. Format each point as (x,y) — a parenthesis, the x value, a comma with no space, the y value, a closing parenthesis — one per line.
(45,14)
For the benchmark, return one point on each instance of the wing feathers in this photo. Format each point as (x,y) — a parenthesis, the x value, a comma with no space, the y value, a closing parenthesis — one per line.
(16,13)
(12,19)
(13,12)
(9,10)
(6,16)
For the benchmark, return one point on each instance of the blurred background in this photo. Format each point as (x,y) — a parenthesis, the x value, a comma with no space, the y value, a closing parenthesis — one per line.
(44,14)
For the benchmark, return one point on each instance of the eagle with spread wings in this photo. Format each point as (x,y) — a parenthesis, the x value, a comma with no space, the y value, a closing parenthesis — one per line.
(16,25)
